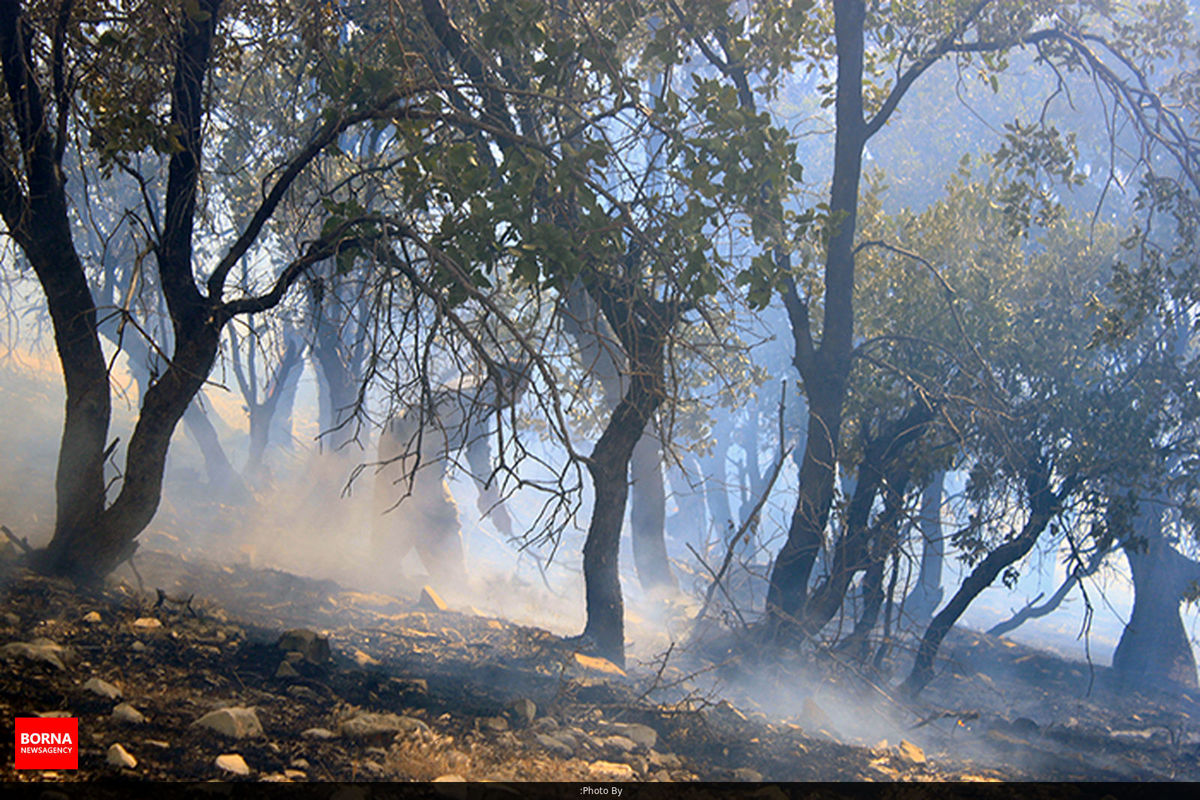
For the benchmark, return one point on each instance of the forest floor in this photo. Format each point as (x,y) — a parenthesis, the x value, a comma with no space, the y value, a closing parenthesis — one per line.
(405,691)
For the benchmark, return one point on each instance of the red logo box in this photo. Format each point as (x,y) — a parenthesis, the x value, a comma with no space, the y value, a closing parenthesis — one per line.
(47,743)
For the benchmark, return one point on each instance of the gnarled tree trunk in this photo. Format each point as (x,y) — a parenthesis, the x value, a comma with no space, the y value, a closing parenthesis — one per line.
(1154,647)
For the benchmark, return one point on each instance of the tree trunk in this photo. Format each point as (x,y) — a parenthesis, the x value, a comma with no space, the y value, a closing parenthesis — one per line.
(825,369)
(924,598)
(883,468)
(1154,647)
(1043,505)
(688,522)
(222,477)
(647,516)
(609,466)
(641,326)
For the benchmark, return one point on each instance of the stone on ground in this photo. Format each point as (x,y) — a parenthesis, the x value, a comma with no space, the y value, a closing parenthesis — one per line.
(910,752)
(103,688)
(430,600)
(597,664)
(39,650)
(123,712)
(643,735)
(236,722)
(118,756)
(367,725)
(234,763)
(607,770)
(523,711)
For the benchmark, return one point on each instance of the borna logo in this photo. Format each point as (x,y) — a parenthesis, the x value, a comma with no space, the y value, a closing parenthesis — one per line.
(47,743)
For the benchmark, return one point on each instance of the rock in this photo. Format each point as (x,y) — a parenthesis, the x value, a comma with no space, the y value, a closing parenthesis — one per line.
(619,744)
(313,647)
(318,733)
(372,767)
(367,725)
(607,770)
(910,752)
(494,724)
(102,688)
(159,743)
(431,600)
(138,646)
(554,745)
(232,762)
(236,722)
(286,670)
(1025,726)
(304,693)
(666,760)
(295,774)
(147,623)
(300,763)
(595,664)
(118,756)
(39,650)
(544,724)
(523,711)
(91,618)
(365,660)
(645,736)
(123,712)
(53,714)
(747,775)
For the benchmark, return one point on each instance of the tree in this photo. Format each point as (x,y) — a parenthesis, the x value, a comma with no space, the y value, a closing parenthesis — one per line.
(69,80)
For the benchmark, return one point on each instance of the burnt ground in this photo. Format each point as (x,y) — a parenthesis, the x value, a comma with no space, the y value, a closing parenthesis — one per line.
(410,693)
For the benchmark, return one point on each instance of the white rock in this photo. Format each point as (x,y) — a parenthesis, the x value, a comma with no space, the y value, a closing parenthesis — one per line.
(232,762)
(295,774)
(123,712)
(92,617)
(643,735)
(610,771)
(118,756)
(147,623)
(910,752)
(103,688)
(236,722)
(318,733)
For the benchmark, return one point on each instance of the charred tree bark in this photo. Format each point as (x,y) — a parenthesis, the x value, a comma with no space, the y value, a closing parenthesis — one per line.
(825,368)
(641,325)
(882,469)
(598,346)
